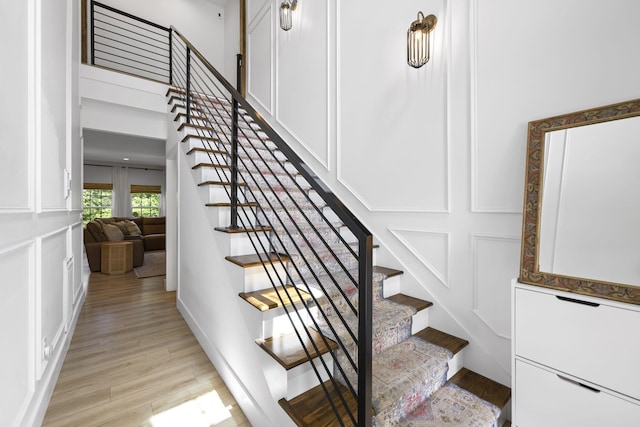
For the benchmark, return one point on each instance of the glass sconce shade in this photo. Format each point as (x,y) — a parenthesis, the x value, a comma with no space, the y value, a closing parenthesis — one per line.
(418,40)
(286,14)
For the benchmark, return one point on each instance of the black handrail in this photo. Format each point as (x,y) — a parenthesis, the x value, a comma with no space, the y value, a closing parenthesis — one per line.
(124,42)
(197,95)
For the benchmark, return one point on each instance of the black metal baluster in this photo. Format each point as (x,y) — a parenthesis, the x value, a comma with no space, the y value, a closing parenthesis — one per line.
(93,36)
(365,330)
(188,76)
(170,57)
(234,148)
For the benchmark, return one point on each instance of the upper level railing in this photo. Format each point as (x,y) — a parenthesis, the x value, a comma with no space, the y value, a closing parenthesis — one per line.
(311,246)
(127,43)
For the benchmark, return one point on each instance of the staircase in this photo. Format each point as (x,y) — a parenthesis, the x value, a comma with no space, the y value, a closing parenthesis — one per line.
(299,277)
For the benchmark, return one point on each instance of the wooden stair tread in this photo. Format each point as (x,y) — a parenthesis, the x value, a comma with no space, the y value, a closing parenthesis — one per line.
(242,229)
(190,125)
(389,272)
(483,387)
(288,352)
(194,108)
(312,408)
(267,299)
(204,138)
(210,165)
(240,184)
(193,116)
(417,303)
(253,260)
(205,150)
(228,205)
(443,339)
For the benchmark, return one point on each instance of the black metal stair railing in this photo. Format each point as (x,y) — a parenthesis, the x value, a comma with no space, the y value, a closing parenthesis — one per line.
(306,239)
(124,42)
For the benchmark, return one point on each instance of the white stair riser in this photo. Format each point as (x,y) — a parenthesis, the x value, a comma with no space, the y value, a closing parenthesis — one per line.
(198,157)
(240,243)
(222,216)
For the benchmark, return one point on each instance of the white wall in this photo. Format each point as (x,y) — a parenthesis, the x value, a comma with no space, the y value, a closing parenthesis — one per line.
(432,160)
(40,203)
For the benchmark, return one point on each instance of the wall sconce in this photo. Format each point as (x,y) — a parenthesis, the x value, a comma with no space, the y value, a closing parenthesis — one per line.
(418,40)
(286,14)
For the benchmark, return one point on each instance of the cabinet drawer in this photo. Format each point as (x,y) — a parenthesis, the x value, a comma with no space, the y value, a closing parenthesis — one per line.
(542,398)
(599,344)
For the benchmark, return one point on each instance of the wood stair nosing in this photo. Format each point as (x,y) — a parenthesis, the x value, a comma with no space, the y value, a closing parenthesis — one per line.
(270,298)
(389,272)
(192,126)
(312,409)
(194,108)
(205,150)
(442,339)
(192,116)
(287,350)
(204,138)
(483,387)
(210,165)
(254,260)
(228,205)
(417,303)
(256,229)
(202,184)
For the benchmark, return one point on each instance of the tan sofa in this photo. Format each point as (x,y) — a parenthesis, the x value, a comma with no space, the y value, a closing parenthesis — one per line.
(148,234)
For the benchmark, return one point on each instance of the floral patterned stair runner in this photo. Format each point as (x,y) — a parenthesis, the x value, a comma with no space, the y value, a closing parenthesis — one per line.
(452,406)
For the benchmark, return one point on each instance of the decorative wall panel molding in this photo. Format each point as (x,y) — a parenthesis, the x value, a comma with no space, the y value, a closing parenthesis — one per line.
(408,112)
(495,263)
(254,9)
(260,56)
(431,248)
(17,309)
(50,322)
(307,82)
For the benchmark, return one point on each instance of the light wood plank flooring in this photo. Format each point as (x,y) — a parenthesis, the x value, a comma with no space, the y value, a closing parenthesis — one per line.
(133,361)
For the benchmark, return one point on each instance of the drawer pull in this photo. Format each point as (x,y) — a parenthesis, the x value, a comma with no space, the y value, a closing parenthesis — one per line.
(569,380)
(577,301)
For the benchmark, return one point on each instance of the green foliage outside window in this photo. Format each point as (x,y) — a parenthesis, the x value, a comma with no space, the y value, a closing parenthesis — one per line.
(95,204)
(145,204)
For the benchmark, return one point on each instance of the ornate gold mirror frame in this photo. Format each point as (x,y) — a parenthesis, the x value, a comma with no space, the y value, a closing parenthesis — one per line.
(529,262)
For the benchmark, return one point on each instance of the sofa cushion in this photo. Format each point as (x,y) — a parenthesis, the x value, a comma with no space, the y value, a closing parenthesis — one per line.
(112,232)
(122,226)
(95,231)
(132,228)
(153,225)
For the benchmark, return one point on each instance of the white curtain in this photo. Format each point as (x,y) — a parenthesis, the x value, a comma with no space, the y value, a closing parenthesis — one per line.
(121,192)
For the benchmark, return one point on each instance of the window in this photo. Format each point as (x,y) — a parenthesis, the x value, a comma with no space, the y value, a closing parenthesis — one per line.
(96,201)
(145,200)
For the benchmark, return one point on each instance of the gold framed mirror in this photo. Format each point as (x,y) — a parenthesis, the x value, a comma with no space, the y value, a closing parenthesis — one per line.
(577,244)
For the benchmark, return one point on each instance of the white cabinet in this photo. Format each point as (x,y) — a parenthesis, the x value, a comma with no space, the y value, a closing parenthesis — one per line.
(576,360)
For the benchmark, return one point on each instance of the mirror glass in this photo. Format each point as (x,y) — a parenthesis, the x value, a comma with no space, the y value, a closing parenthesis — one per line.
(580,231)
(590,213)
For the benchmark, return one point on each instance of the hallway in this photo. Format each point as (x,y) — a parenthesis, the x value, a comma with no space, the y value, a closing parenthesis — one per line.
(133,361)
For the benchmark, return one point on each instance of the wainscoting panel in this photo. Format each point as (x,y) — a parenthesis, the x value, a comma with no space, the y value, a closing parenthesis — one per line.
(496,263)
(17,146)
(260,56)
(53,89)
(392,146)
(302,87)
(50,294)
(16,309)
(430,248)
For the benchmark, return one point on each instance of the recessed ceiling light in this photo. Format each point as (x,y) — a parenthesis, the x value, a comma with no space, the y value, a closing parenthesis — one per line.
(125,158)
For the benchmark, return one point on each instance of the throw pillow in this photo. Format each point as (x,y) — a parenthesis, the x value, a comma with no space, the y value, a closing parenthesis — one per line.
(112,232)
(122,226)
(132,228)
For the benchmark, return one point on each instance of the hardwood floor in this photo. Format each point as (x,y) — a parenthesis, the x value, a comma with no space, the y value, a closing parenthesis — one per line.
(133,361)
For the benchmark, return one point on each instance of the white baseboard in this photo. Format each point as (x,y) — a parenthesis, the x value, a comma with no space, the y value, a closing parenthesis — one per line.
(44,389)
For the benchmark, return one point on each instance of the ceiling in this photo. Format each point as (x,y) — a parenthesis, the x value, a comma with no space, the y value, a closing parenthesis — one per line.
(112,148)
